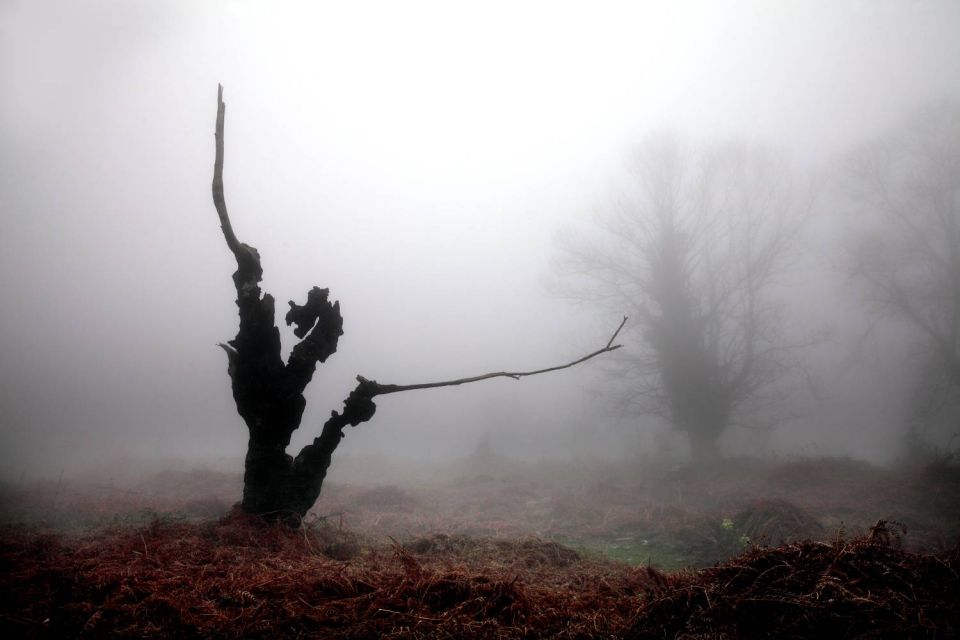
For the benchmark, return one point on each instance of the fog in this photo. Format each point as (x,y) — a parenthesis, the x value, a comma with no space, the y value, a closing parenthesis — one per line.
(421,160)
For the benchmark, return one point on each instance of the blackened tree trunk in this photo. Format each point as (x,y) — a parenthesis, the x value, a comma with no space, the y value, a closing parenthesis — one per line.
(269,392)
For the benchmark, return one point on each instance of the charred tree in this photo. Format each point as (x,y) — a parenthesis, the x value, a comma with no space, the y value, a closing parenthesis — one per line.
(269,392)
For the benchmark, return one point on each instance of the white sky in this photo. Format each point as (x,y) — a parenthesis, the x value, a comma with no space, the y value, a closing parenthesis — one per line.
(416,158)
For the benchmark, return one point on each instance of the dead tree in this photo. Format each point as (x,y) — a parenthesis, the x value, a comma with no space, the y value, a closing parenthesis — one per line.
(269,392)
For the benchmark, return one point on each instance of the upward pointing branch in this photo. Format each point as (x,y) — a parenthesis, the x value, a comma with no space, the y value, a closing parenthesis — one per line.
(218,200)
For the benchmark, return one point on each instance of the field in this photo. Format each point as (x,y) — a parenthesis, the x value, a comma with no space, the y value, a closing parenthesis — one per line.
(489,548)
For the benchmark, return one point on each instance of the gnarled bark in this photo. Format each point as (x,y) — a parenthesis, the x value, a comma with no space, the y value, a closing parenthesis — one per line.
(269,392)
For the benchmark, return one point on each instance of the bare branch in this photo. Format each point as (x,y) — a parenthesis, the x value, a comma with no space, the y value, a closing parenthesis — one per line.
(614,336)
(218,199)
(310,466)
(376,388)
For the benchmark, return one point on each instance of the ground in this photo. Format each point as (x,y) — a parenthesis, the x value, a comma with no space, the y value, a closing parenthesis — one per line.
(495,549)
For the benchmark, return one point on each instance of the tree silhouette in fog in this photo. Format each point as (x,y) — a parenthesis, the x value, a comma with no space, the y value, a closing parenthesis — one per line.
(269,392)
(693,254)
(906,255)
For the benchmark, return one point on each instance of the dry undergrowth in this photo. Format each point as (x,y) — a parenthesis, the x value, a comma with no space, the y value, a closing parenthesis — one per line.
(240,578)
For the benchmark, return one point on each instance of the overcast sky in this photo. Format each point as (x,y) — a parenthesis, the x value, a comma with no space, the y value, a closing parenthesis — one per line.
(416,158)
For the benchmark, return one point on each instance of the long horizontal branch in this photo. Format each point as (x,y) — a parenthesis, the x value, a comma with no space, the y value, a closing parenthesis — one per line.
(376,388)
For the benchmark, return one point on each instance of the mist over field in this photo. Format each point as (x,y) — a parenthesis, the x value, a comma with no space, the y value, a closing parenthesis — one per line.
(424,161)
(606,319)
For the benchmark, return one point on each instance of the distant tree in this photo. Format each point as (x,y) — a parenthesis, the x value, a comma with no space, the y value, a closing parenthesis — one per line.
(269,392)
(693,253)
(906,183)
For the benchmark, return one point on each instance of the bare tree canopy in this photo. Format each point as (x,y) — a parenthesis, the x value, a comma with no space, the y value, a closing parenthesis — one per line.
(269,393)
(906,255)
(693,253)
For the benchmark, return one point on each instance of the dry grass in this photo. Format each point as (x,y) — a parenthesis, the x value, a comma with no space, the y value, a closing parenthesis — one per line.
(525,553)
(240,578)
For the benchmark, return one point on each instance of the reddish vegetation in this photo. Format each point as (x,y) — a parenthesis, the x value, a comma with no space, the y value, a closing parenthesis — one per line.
(864,588)
(478,555)
(239,578)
